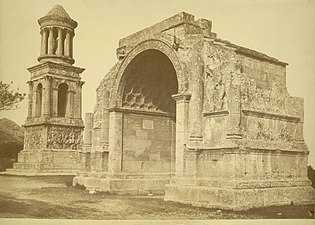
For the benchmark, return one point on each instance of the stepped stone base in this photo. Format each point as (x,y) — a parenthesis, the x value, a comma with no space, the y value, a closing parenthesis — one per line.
(47,161)
(133,184)
(34,172)
(239,198)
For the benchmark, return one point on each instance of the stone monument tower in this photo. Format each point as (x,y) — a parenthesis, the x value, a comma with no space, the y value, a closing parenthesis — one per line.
(53,125)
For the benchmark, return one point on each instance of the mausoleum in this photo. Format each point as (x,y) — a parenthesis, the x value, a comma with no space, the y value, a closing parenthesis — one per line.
(53,127)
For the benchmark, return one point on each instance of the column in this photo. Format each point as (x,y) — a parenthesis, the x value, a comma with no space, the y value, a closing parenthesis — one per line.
(196,102)
(44,41)
(182,110)
(78,112)
(60,42)
(195,111)
(87,137)
(50,41)
(30,99)
(234,118)
(34,96)
(47,96)
(115,141)
(87,142)
(69,102)
(54,101)
(79,93)
(67,44)
(71,45)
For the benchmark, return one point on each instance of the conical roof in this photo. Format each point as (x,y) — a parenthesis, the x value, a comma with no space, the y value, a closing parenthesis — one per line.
(58,11)
(57,16)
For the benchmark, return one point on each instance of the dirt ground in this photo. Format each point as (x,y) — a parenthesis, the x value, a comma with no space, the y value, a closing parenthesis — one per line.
(52,197)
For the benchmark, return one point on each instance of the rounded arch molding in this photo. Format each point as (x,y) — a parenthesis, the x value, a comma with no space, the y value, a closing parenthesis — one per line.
(152,44)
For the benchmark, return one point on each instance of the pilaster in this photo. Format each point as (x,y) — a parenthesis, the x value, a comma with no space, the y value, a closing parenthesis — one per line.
(105,119)
(196,101)
(115,141)
(47,96)
(182,114)
(234,118)
(30,99)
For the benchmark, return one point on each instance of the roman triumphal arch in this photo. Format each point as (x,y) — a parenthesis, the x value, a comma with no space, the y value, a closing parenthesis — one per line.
(201,120)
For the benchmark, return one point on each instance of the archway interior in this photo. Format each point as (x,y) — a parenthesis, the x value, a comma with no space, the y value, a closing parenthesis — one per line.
(149,138)
(62,99)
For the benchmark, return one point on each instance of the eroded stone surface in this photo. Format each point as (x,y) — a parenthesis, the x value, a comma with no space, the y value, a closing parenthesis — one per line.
(234,139)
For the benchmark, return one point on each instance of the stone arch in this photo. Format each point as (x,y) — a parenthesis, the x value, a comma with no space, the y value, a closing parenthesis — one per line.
(149,83)
(152,44)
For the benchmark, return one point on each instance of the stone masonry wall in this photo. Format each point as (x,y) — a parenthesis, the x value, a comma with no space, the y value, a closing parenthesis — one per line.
(149,143)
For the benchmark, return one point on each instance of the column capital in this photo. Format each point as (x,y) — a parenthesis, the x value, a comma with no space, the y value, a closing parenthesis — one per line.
(47,78)
(44,29)
(182,97)
(80,83)
(70,32)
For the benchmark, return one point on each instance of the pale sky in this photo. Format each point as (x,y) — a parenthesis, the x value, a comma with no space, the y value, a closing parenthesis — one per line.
(284,29)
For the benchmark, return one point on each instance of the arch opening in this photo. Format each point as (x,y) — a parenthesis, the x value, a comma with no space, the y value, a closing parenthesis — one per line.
(148,129)
(39,100)
(62,99)
(149,82)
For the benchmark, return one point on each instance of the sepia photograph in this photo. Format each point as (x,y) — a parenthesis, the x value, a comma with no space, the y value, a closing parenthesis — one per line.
(157,112)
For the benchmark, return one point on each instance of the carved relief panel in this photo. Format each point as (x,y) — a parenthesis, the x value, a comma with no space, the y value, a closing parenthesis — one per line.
(60,137)
(34,137)
(222,69)
(260,97)
(269,129)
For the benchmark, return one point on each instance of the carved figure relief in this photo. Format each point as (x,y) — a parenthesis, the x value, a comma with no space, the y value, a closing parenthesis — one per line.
(33,137)
(221,70)
(261,131)
(261,98)
(63,138)
(98,109)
